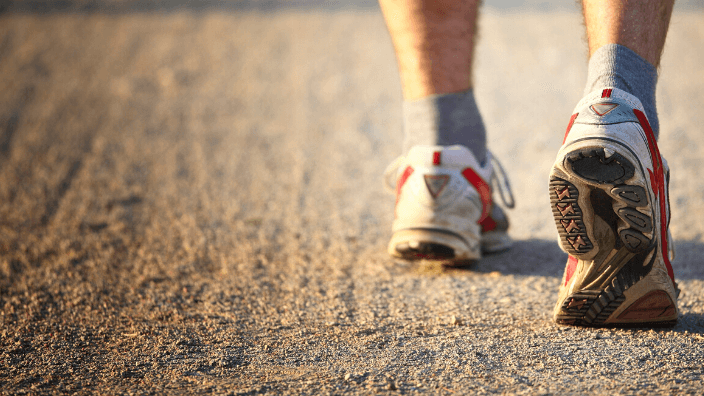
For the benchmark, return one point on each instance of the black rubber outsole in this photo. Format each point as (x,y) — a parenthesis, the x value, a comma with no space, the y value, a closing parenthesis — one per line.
(610,175)
(593,307)
(425,251)
(640,325)
(614,201)
(445,255)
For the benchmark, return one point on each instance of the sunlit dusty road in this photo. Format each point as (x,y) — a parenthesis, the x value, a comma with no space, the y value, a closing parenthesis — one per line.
(191,201)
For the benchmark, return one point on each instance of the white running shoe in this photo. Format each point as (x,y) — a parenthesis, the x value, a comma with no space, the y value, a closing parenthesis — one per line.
(444,207)
(609,197)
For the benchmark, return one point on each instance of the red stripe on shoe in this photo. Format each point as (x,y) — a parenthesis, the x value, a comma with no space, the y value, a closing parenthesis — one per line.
(402,180)
(488,224)
(571,267)
(657,181)
(569,126)
(482,188)
(606,93)
(436,158)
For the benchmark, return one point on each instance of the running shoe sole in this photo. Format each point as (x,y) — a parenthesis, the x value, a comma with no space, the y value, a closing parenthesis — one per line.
(607,189)
(431,244)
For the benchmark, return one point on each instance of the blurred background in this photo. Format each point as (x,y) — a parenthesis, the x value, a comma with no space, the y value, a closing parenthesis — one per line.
(171,5)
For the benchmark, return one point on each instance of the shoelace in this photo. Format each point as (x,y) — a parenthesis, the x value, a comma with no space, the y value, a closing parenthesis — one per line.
(499,179)
(670,241)
(390,174)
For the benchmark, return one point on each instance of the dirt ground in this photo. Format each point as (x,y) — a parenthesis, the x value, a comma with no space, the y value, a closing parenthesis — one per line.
(191,202)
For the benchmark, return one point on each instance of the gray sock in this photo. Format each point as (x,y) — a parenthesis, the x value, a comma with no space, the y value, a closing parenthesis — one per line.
(445,120)
(616,66)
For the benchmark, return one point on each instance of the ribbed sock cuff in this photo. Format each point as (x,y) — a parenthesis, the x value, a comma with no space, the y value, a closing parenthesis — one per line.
(617,66)
(445,120)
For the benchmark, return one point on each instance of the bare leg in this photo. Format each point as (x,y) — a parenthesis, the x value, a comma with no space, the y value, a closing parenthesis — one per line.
(434,42)
(640,25)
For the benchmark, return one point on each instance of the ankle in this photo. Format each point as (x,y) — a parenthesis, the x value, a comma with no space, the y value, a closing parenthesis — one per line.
(445,120)
(616,66)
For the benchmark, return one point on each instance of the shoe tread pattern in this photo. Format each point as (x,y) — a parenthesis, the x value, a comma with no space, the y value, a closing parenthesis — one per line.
(610,175)
(594,307)
(569,217)
(425,250)
(593,165)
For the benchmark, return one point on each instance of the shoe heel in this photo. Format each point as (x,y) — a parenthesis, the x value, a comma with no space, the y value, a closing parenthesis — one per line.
(432,244)
(614,175)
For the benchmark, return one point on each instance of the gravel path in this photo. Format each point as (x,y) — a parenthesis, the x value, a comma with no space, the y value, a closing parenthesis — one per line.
(191,201)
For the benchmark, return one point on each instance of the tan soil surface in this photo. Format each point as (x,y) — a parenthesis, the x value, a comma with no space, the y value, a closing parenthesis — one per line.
(191,201)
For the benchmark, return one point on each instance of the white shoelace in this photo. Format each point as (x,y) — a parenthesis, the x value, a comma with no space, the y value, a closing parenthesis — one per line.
(499,180)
